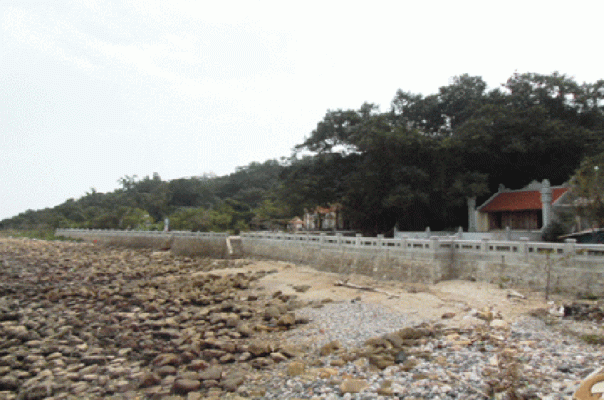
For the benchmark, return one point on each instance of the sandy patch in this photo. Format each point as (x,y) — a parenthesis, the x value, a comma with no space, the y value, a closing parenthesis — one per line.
(418,300)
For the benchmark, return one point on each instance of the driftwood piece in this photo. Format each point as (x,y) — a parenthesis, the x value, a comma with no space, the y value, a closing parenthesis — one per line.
(368,288)
(515,294)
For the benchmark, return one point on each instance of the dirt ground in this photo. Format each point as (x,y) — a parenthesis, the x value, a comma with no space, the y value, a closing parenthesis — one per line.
(456,298)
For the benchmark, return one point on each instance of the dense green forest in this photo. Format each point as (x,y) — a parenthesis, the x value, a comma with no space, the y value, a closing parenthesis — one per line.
(413,165)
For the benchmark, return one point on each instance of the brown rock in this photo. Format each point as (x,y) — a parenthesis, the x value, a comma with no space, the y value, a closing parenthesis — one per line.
(188,375)
(261,362)
(353,385)
(260,348)
(232,320)
(326,373)
(291,351)
(296,368)
(184,386)
(412,333)
(9,382)
(232,383)
(330,347)
(394,339)
(409,364)
(287,320)
(337,363)
(272,312)
(167,359)
(212,373)
(386,389)
(499,324)
(210,383)
(149,379)
(381,360)
(301,288)
(166,370)
(198,365)
(244,330)
(278,357)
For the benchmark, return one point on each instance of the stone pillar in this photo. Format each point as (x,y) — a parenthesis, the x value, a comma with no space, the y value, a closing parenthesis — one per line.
(524,247)
(428,232)
(546,203)
(471,214)
(358,239)
(404,243)
(570,251)
(434,245)
(569,247)
(380,240)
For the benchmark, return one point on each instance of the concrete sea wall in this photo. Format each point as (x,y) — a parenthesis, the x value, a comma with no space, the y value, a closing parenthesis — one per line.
(207,244)
(573,268)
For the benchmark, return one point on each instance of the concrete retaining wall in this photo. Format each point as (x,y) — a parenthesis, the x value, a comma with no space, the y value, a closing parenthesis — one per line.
(207,244)
(574,268)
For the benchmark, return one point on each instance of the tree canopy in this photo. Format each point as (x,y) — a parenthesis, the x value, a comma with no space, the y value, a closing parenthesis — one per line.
(413,165)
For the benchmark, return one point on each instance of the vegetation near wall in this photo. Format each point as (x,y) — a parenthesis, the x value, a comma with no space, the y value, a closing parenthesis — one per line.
(412,165)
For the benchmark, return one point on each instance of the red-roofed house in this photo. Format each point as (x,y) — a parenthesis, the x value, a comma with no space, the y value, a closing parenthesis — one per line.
(530,208)
(295,224)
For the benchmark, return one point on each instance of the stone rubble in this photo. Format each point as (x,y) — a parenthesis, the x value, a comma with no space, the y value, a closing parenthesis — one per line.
(79,320)
(83,321)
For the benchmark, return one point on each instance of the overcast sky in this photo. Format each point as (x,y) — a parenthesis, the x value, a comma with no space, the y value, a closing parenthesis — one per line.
(91,91)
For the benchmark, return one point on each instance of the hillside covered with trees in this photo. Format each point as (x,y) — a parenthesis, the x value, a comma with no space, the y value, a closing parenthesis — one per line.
(413,165)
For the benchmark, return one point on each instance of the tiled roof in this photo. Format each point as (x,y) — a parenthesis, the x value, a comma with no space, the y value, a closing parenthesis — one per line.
(325,210)
(520,200)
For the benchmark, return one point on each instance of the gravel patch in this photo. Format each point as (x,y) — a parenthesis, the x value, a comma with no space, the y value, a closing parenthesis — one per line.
(351,323)
(529,360)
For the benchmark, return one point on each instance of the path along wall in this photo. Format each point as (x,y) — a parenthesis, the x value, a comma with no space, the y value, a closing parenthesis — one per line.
(574,268)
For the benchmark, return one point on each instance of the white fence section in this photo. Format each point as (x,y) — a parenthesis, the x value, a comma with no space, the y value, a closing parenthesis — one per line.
(484,247)
(87,233)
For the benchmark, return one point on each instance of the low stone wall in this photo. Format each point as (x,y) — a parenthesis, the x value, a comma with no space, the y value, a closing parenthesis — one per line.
(573,268)
(572,275)
(366,261)
(207,244)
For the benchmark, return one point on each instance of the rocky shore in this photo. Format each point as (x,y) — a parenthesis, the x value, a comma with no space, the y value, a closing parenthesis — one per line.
(83,321)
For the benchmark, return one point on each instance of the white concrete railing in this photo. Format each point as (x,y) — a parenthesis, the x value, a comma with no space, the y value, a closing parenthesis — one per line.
(406,244)
(156,234)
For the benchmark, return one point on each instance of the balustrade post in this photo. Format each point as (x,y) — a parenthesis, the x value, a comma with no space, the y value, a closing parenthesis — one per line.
(434,245)
(524,246)
(484,245)
(570,250)
(358,239)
